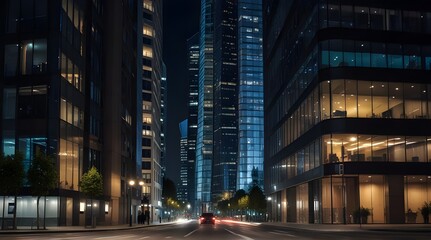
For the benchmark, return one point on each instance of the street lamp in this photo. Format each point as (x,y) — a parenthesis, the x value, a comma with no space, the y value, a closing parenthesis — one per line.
(131,183)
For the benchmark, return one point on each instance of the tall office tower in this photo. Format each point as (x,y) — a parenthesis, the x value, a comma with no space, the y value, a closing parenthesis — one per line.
(250,99)
(163,117)
(193,70)
(182,189)
(52,89)
(152,66)
(347,109)
(204,140)
(225,145)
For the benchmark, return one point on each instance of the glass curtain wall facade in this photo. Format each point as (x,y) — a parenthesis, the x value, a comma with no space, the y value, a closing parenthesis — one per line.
(193,73)
(347,106)
(225,99)
(250,99)
(204,140)
(182,193)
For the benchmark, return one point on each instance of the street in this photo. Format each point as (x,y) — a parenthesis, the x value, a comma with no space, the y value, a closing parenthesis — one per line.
(222,230)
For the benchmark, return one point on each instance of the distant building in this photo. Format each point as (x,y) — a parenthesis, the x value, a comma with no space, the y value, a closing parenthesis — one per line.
(229,144)
(204,139)
(250,95)
(192,120)
(182,189)
(347,110)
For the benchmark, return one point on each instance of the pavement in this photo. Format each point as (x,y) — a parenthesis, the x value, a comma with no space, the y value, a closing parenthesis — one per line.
(305,227)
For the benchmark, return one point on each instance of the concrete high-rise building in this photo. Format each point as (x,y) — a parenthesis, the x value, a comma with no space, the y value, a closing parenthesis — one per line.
(250,95)
(192,120)
(152,106)
(347,110)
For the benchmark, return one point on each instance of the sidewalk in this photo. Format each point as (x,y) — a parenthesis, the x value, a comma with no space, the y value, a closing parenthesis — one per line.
(54,229)
(355,227)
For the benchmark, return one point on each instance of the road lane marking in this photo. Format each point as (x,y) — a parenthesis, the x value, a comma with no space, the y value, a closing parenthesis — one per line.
(239,235)
(282,233)
(144,237)
(190,233)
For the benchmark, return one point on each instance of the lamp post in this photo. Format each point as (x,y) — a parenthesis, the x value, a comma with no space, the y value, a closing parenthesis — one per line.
(131,183)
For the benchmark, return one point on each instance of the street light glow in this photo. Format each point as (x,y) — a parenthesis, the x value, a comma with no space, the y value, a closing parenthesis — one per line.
(131,182)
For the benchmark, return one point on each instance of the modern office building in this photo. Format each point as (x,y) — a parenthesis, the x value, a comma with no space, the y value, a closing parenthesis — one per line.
(250,95)
(54,79)
(225,112)
(347,110)
(152,78)
(182,189)
(204,139)
(231,54)
(192,119)
(52,101)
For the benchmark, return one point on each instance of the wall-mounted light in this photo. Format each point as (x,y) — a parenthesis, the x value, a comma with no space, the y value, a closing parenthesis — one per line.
(106,208)
(81,207)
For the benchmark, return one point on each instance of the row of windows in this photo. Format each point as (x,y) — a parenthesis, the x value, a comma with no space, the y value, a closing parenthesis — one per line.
(71,72)
(70,166)
(343,98)
(340,53)
(26,16)
(72,27)
(71,114)
(31,102)
(27,57)
(352,148)
(333,14)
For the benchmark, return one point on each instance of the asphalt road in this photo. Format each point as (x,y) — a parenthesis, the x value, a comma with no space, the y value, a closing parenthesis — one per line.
(220,231)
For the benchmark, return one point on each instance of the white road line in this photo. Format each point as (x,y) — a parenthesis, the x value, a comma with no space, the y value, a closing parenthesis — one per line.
(239,235)
(190,233)
(282,233)
(144,237)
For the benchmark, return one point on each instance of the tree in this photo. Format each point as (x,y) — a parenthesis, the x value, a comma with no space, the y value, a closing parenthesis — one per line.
(11,179)
(257,200)
(243,204)
(238,195)
(92,185)
(42,177)
(223,206)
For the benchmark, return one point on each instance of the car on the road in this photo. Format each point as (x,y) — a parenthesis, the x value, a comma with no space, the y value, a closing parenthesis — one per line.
(207,218)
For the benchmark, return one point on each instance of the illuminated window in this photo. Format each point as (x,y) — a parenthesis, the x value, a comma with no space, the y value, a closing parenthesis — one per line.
(148,31)
(147,52)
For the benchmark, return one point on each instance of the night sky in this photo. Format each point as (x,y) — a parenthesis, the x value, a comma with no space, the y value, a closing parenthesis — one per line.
(181,21)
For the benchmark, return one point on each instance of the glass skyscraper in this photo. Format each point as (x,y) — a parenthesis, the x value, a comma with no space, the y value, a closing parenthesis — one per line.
(204,140)
(193,73)
(225,99)
(250,95)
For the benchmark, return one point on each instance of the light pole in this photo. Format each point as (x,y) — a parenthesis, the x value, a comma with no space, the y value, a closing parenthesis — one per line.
(131,183)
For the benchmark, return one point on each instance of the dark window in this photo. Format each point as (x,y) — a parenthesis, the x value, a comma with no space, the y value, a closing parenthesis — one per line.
(10,59)
(146,142)
(146,97)
(146,153)
(146,165)
(146,85)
